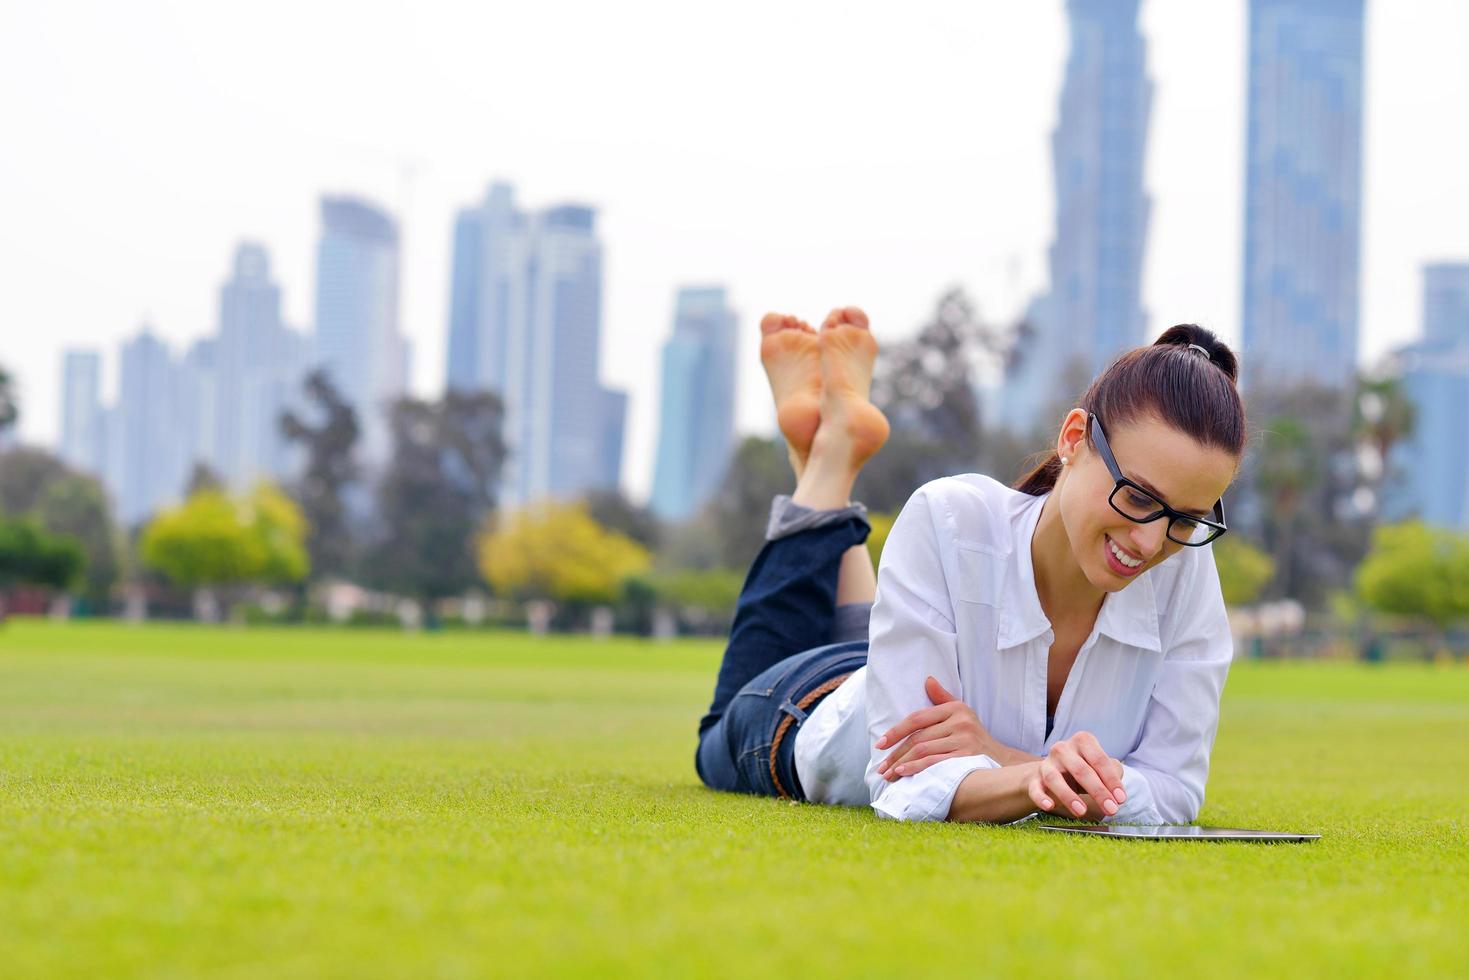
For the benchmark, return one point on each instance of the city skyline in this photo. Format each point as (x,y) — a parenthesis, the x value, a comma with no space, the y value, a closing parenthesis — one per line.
(685,195)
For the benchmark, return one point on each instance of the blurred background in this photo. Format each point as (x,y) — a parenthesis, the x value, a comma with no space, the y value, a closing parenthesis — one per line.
(445,316)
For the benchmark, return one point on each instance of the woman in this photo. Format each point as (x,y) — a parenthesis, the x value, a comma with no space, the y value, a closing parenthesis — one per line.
(1060,646)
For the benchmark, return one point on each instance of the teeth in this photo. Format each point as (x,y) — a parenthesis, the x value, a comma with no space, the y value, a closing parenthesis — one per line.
(1129,562)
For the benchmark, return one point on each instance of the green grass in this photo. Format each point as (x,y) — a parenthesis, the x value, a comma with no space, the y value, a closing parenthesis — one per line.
(180,801)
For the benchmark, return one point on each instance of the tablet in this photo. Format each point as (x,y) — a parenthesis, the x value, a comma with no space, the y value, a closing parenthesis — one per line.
(1169,832)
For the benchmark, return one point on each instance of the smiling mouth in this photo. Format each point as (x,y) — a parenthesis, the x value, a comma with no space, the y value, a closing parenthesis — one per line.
(1129,562)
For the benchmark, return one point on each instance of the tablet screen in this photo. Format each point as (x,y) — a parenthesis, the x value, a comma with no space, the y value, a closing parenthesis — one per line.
(1168,832)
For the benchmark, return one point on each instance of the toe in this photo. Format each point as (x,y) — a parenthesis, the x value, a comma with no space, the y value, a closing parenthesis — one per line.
(771,322)
(856,317)
(834,318)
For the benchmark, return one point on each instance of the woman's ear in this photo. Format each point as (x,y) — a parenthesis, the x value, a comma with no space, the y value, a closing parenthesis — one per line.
(1072,439)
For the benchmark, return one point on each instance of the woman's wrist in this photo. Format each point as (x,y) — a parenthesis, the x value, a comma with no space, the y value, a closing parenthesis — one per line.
(994,795)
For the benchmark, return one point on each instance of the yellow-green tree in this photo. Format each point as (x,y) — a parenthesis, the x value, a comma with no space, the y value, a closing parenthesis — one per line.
(214,541)
(1417,571)
(1244,570)
(881,525)
(557,551)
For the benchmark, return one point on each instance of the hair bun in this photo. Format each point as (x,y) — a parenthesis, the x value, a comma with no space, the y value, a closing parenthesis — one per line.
(1188,335)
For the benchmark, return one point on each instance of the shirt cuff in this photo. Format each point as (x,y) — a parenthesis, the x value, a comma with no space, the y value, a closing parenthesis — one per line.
(1139,808)
(929,794)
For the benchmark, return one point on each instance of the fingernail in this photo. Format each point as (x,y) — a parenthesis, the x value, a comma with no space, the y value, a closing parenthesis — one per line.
(882,741)
(1109,807)
(882,767)
(1119,796)
(1078,806)
(900,770)
(1046,804)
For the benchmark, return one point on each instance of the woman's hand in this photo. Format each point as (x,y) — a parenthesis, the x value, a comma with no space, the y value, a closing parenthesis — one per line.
(1077,765)
(948,730)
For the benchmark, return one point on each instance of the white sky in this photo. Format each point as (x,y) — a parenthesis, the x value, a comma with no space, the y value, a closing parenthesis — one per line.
(807,155)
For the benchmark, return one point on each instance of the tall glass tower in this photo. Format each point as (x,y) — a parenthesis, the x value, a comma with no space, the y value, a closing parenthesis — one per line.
(357,337)
(1092,309)
(1303,186)
(696,410)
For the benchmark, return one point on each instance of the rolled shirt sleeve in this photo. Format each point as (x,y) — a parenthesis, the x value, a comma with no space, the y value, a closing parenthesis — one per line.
(1164,775)
(912,636)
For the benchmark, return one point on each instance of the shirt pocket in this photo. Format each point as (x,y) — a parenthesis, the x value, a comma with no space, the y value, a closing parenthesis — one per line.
(981,574)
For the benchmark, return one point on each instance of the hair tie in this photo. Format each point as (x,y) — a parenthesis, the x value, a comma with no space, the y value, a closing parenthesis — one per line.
(1201,351)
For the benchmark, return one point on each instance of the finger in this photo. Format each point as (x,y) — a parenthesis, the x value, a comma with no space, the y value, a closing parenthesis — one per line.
(1106,770)
(1086,777)
(1037,790)
(921,756)
(936,692)
(897,753)
(914,767)
(1069,802)
(909,744)
(918,719)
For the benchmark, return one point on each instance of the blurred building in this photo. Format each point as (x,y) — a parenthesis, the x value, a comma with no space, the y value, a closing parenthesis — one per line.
(696,403)
(1433,465)
(147,463)
(357,339)
(82,417)
(249,375)
(1303,179)
(1092,309)
(525,321)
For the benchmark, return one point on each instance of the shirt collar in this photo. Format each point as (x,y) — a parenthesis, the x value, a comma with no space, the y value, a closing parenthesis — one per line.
(1129,616)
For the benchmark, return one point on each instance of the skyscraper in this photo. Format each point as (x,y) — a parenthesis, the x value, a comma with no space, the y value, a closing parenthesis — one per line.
(696,405)
(1434,464)
(148,463)
(525,321)
(1303,177)
(82,418)
(357,339)
(257,368)
(1092,309)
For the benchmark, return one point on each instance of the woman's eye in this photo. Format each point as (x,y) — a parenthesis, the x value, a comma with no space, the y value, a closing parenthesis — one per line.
(1139,501)
(1187,523)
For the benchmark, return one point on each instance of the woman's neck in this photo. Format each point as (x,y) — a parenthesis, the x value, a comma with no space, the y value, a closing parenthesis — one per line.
(1063,589)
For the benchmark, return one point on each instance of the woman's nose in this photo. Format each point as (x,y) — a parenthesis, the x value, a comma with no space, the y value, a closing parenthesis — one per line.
(1147,539)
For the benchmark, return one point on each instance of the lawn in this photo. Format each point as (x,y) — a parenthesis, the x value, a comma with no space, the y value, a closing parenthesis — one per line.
(178,801)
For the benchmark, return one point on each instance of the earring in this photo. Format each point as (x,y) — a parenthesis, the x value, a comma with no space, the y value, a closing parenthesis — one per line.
(1065,460)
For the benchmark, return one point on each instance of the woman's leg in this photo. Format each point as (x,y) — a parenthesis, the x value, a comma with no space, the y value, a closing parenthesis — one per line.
(789,601)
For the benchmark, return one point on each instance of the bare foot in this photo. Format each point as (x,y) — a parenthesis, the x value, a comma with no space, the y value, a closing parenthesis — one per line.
(848,419)
(792,359)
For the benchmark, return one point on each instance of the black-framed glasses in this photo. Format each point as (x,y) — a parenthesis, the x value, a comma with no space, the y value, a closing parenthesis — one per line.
(1141,507)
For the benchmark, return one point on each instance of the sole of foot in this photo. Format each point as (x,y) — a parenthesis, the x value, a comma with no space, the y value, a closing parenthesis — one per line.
(848,351)
(790,351)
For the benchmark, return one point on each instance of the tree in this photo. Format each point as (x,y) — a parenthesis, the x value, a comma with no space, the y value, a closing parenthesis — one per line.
(611,509)
(214,542)
(30,556)
(440,487)
(557,551)
(38,485)
(1244,569)
(9,404)
(740,510)
(330,470)
(1417,571)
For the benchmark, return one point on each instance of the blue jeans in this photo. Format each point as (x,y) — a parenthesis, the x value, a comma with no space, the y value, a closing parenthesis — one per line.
(779,650)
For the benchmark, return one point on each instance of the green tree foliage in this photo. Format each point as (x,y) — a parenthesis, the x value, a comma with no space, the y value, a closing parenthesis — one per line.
(212,540)
(1244,570)
(1417,571)
(329,473)
(611,509)
(557,551)
(9,403)
(740,510)
(926,387)
(441,487)
(30,556)
(39,486)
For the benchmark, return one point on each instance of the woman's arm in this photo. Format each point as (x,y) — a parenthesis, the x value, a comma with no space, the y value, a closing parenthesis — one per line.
(995,795)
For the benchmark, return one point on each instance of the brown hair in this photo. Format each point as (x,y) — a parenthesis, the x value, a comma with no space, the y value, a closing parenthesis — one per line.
(1171,380)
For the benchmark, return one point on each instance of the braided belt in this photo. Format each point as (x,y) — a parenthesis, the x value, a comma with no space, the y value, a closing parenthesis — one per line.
(785,723)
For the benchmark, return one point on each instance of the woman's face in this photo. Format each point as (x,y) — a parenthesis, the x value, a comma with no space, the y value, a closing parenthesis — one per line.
(1183,473)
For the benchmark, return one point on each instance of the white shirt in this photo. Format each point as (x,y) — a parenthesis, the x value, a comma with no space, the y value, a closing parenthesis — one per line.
(956,598)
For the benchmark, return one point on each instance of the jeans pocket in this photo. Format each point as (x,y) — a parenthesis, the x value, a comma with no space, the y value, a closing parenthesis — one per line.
(754,769)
